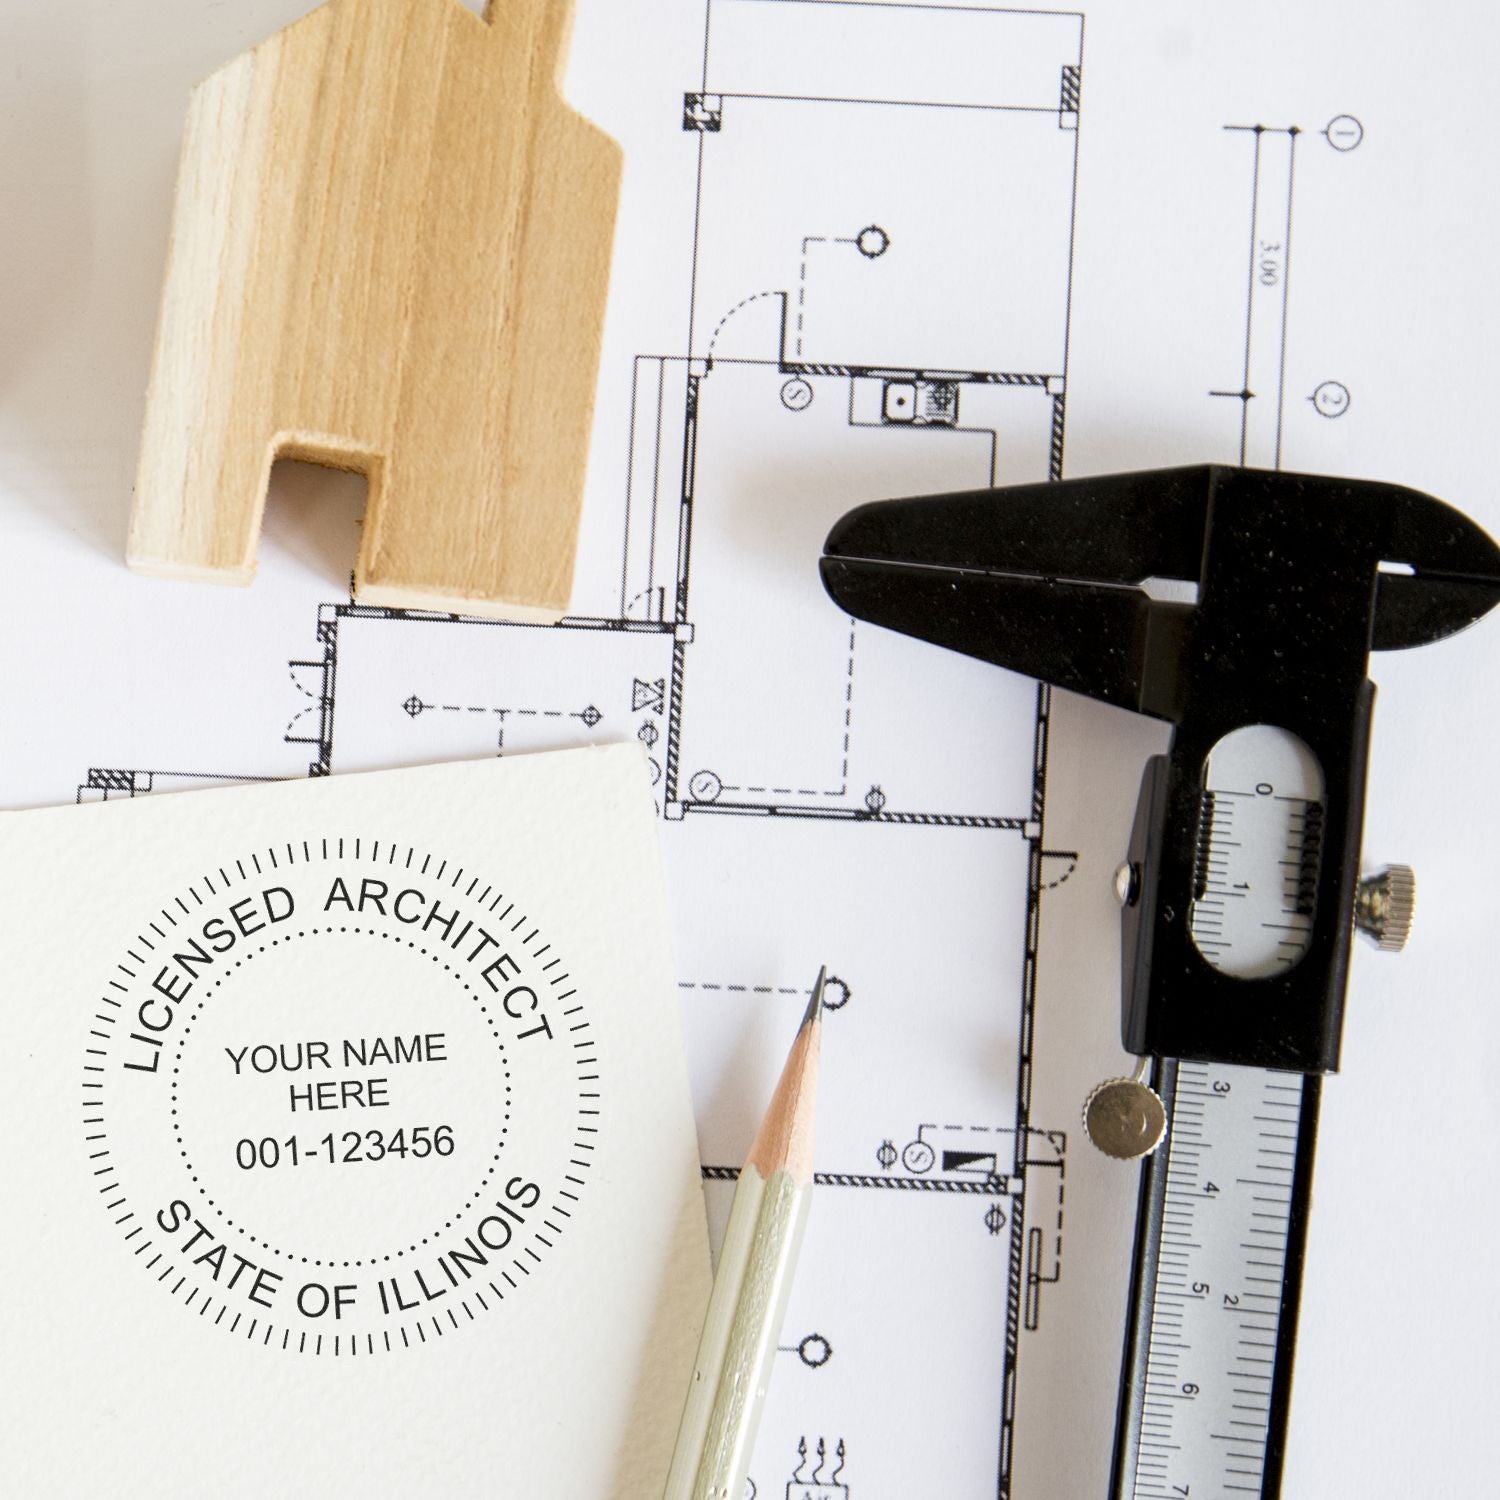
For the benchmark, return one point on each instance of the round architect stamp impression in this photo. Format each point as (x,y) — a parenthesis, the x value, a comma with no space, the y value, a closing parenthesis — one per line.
(348,1097)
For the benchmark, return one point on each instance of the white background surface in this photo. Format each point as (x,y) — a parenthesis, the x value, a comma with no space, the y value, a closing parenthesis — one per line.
(1392,293)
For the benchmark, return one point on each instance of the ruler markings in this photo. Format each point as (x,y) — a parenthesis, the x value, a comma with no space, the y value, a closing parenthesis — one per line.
(1203,1429)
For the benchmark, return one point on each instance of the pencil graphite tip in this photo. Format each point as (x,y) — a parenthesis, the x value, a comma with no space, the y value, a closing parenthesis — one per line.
(785,1139)
(814,1010)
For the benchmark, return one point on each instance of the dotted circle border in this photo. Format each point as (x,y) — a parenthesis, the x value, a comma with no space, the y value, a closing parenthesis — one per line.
(409,1333)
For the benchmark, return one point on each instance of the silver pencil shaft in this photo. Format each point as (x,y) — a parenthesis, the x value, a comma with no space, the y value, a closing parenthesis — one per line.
(740,1333)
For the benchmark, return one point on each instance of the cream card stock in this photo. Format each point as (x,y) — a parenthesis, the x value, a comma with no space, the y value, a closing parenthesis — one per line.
(348,1145)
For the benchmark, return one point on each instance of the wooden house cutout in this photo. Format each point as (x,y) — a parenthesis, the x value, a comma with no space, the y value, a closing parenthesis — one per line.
(390,253)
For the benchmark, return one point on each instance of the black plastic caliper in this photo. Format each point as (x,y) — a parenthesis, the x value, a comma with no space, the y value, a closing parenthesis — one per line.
(1241,888)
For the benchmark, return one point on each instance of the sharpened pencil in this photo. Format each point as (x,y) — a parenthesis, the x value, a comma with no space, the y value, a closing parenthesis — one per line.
(754,1281)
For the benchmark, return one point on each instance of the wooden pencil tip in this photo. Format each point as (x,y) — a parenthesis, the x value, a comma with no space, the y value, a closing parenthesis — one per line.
(785,1139)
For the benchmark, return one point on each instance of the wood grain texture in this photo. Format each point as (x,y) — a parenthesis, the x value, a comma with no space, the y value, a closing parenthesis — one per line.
(784,1142)
(390,253)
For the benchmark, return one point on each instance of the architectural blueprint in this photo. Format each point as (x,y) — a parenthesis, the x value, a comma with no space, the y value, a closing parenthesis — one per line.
(870,249)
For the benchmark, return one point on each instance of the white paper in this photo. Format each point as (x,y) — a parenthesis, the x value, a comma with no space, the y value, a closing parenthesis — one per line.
(1111,262)
(351,1147)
